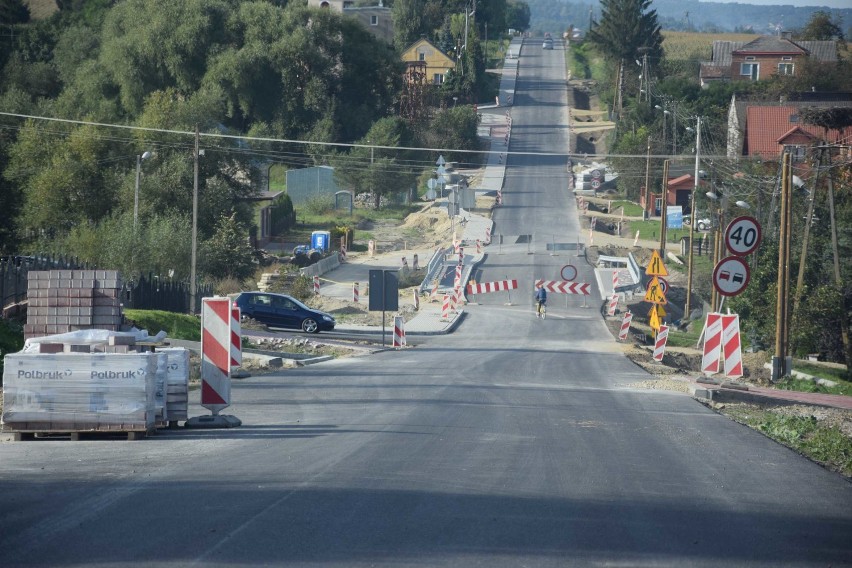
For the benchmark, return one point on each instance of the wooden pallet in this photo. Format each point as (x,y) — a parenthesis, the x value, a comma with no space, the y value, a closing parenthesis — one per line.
(56,430)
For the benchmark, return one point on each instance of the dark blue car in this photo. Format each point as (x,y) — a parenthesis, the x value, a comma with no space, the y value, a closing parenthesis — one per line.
(280,310)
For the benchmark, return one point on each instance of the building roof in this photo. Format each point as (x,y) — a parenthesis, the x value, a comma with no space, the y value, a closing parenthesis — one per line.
(770,45)
(769,126)
(673,182)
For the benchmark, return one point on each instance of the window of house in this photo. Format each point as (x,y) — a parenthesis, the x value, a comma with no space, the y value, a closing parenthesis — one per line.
(751,70)
(438,79)
(794,118)
(785,68)
(374,20)
(422,56)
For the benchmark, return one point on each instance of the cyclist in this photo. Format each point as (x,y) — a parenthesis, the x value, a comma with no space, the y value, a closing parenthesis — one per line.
(540,300)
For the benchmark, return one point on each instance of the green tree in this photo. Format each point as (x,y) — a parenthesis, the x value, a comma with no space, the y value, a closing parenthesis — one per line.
(380,171)
(822,25)
(627,30)
(228,254)
(407,22)
(518,15)
(13,12)
(454,128)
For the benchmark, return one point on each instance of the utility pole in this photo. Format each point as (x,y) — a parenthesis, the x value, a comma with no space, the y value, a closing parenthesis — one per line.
(192,266)
(780,367)
(664,208)
(800,281)
(647,180)
(688,305)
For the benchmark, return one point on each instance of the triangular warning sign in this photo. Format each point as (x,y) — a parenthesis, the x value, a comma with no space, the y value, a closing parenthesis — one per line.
(661,312)
(654,320)
(656,266)
(655,292)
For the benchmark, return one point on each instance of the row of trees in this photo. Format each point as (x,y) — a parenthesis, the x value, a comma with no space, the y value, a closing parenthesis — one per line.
(156,70)
(628,31)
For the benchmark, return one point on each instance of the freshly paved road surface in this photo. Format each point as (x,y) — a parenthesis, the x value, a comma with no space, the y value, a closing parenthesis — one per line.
(512,442)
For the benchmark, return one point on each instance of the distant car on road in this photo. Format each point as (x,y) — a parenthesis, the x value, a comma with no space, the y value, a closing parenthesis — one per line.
(702,224)
(283,311)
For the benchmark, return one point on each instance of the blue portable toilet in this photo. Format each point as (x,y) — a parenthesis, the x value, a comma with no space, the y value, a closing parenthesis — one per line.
(321,240)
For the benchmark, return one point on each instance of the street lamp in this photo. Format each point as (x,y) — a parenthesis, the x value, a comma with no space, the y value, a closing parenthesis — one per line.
(665,113)
(139,158)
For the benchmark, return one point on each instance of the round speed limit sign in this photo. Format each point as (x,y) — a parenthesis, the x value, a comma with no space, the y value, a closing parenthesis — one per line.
(742,236)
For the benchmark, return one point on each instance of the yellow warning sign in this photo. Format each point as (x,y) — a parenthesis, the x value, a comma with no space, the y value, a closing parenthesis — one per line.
(661,312)
(654,321)
(655,292)
(656,266)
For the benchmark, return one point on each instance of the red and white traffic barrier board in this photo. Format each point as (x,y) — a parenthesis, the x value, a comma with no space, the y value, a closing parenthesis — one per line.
(215,354)
(625,326)
(458,298)
(398,332)
(457,281)
(487,287)
(660,343)
(478,246)
(487,235)
(445,308)
(433,297)
(316,285)
(355,293)
(236,338)
(613,304)
(712,344)
(560,287)
(731,346)
(416,299)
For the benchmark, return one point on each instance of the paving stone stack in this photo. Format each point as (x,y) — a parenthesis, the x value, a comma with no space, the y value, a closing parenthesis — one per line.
(70,300)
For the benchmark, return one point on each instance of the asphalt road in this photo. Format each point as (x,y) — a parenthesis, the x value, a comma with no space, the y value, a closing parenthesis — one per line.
(512,442)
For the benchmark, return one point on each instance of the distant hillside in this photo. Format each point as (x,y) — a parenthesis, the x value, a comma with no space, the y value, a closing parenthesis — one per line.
(685,15)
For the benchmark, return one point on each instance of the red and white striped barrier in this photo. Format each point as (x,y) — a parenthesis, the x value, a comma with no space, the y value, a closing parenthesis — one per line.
(488,287)
(613,304)
(581,203)
(625,326)
(560,287)
(445,308)
(316,285)
(236,338)
(461,256)
(458,298)
(398,332)
(355,292)
(487,235)
(215,354)
(478,246)
(433,297)
(342,253)
(636,240)
(416,299)
(614,280)
(457,281)
(712,344)
(660,343)
(731,346)
(499,196)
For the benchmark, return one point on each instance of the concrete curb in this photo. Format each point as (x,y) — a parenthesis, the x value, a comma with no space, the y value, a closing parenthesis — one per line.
(372,331)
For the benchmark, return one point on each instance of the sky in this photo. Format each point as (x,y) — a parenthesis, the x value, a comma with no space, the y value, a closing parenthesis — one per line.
(798,3)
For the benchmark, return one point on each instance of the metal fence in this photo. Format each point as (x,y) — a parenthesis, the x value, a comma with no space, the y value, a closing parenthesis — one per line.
(155,293)
(144,293)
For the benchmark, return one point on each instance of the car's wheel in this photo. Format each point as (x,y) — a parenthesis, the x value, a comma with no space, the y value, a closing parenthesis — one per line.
(310,325)
(701,226)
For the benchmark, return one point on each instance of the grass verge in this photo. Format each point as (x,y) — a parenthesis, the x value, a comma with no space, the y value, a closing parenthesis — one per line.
(805,434)
(803,385)
(177,326)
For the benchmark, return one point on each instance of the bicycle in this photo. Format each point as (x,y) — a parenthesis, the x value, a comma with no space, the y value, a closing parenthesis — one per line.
(541,312)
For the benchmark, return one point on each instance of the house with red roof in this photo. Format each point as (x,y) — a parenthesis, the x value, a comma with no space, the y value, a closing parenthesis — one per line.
(762,58)
(765,129)
(679,192)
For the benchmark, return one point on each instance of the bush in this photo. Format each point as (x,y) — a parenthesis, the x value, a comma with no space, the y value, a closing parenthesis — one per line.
(319,205)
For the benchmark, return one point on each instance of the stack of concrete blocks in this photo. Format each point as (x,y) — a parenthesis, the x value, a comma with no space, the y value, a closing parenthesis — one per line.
(79,392)
(177,383)
(69,300)
(267,281)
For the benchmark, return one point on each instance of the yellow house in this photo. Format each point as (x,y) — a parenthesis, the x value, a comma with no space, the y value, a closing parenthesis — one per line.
(437,62)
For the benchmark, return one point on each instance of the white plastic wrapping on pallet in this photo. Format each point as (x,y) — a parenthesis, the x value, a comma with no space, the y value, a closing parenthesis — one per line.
(79,391)
(160,389)
(177,382)
(90,336)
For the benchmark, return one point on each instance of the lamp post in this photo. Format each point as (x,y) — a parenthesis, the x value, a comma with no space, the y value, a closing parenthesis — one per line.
(688,306)
(139,158)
